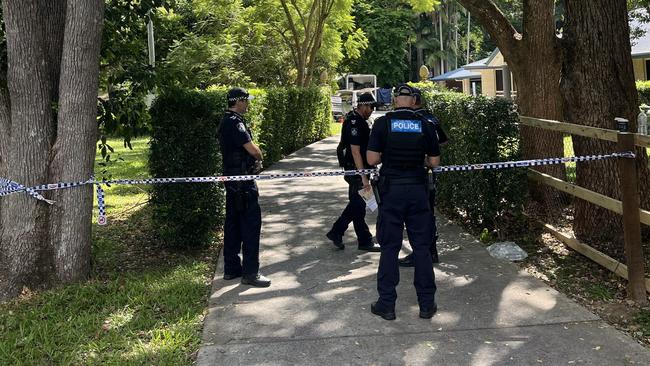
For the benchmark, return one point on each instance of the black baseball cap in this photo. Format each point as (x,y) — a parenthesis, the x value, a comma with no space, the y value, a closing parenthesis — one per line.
(404,90)
(236,94)
(366,99)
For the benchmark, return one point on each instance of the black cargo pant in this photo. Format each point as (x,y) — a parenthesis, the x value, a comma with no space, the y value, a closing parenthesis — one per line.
(242,230)
(355,213)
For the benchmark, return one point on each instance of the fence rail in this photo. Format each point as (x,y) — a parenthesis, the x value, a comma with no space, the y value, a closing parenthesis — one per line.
(585,194)
(628,206)
(586,131)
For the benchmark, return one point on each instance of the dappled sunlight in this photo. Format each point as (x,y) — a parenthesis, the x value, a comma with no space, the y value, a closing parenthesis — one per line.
(519,302)
(415,353)
(488,354)
(119,318)
(355,274)
(282,306)
(307,266)
(334,294)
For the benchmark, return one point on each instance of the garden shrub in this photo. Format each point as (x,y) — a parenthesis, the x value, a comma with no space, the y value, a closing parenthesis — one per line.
(293,118)
(184,144)
(481,130)
(643,88)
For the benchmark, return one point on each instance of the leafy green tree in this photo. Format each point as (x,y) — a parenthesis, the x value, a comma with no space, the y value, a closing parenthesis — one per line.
(318,34)
(389,30)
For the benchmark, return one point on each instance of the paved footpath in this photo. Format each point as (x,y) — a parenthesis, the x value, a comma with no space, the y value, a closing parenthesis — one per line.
(316,312)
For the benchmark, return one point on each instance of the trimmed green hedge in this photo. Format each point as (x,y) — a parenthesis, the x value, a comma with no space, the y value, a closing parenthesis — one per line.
(293,118)
(481,130)
(184,143)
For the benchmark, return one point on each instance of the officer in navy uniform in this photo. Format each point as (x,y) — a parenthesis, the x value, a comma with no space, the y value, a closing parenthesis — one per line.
(401,141)
(352,156)
(442,139)
(243,215)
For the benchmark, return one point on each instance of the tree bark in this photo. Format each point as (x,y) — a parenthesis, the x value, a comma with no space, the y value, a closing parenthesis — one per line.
(54,11)
(534,58)
(597,87)
(5,122)
(538,94)
(71,216)
(24,220)
(53,45)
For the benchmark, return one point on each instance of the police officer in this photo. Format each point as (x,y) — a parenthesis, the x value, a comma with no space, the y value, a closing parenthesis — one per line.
(243,215)
(442,139)
(353,146)
(401,141)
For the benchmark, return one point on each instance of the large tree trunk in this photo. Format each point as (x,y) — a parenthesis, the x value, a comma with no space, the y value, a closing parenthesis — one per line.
(534,58)
(71,216)
(23,229)
(52,50)
(538,94)
(598,85)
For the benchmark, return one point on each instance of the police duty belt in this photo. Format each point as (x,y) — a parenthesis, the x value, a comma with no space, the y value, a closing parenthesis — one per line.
(8,187)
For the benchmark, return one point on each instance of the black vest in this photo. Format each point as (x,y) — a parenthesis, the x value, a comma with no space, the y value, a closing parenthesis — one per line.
(236,160)
(406,143)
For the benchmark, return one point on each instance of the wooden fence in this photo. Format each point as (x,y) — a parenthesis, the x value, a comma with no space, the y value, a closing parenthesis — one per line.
(628,206)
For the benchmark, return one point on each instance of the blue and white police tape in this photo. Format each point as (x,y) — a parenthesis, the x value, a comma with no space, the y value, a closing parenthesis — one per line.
(8,187)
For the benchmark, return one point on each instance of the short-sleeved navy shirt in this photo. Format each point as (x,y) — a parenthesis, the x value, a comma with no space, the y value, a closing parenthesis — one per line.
(379,136)
(355,131)
(440,133)
(233,135)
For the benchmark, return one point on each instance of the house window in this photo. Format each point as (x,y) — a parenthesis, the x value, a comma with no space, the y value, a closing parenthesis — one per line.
(647,69)
(499,77)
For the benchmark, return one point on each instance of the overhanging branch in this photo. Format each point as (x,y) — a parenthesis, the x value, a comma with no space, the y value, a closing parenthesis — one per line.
(495,23)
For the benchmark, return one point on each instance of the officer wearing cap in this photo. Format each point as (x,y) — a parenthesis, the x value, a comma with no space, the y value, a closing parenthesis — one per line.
(243,215)
(442,139)
(402,140)
(352,152)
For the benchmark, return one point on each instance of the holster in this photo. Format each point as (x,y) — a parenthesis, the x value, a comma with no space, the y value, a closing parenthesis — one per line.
(374,183)
(431,181)
(351,179)
(243,197)
(340,154)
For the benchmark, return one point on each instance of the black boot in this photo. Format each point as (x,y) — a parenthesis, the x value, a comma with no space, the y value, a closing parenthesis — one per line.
(385,314)
(336,240)
(427,313)
(256,280)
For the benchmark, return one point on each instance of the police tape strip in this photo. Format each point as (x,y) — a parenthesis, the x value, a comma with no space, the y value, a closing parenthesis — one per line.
(8,187)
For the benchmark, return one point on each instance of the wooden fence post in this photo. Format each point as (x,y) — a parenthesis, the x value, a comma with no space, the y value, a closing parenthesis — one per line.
(629,182)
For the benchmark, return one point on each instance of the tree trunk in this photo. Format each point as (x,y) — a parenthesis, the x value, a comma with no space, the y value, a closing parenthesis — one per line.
(55,28)
(539,95)
(48,46)
(71,216)
(535,60)
(23,229)
(5,122)
(597,87)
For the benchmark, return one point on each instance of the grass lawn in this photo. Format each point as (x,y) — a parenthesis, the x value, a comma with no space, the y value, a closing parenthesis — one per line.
(335,128)
(141,305)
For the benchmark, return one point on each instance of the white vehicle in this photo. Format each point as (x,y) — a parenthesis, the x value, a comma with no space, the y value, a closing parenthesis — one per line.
(355,84)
